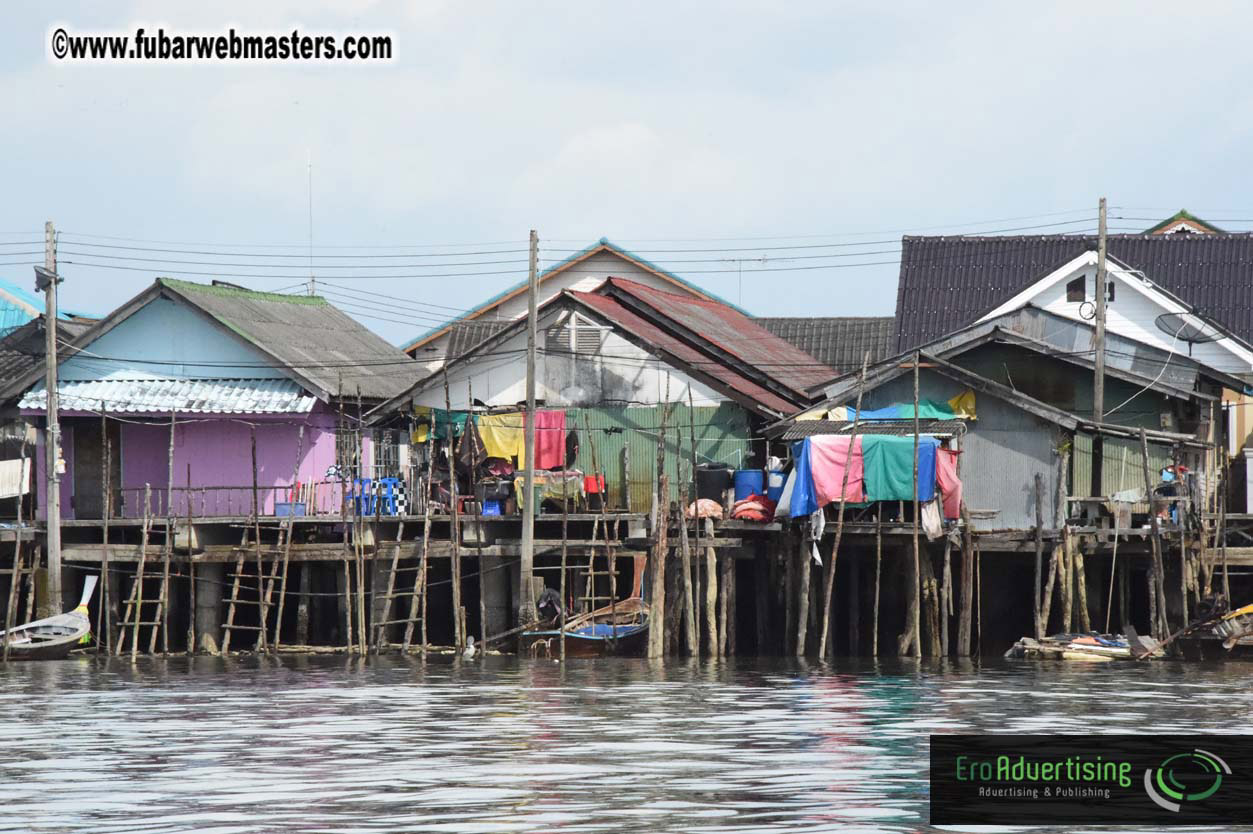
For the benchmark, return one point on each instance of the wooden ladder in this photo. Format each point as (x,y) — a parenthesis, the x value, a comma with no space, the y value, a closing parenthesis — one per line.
(17,573)
(133,616)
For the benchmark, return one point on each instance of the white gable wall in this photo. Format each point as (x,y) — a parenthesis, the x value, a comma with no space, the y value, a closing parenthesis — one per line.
(1132,313)
(585,276)
(624,375)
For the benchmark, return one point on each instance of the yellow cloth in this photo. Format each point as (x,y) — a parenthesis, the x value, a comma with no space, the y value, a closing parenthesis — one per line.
(812,414)
(504,436)
(425,413)
(963,405)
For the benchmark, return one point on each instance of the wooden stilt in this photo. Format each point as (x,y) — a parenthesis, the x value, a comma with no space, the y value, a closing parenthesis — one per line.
(1054,572)
(1039,554)
(931,600)
(104,635)
(946,597)
(691,638)
(288,533)
(1081,587)
(724,604)
(1067,580)
(789,589)
(711,592)
(829,579)
(191,574)
(459,637)
(359,551)
(804,572)
(1163,623)
(854,609)
(1113,570)
(878,571)
(657,586)
(979,598)
(417,602)
(915,606)
(964,616)
(164,614)
(256,534)
(761,595)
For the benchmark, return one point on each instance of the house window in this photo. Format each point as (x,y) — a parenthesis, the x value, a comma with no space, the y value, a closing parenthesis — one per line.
(1110,297)
(386,452)
(1076,289)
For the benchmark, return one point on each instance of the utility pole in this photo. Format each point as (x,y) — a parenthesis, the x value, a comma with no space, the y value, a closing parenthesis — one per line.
(313,284)
(47,281)
(526,600)
(1102,290)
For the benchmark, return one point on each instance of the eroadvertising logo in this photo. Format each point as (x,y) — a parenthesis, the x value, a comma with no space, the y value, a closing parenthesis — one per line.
(1091,779)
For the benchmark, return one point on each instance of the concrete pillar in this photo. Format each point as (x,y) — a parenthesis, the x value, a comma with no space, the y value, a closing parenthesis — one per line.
(209,585)
(496,597)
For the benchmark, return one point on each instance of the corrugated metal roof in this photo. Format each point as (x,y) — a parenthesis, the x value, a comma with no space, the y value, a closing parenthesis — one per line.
(315,339)
(740,386)
(162,396)
(839,343)
(734,333)
(468,334)
(948,282)
(899,428)
(22,348)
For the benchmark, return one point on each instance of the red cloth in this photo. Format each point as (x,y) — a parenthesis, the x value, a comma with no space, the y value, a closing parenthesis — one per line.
(754,508)
(550,440)
(827,456)
(950,484)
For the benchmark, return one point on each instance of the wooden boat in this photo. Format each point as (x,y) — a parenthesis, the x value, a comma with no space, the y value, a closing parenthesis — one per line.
(618,629)
(52,637)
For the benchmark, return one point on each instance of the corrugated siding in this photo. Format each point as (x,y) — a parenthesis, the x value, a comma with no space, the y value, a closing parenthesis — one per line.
(722,436)
(1122,465)
(201,396)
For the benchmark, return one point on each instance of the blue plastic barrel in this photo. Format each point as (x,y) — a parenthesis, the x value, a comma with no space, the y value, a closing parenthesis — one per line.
(774,484)
(749,482)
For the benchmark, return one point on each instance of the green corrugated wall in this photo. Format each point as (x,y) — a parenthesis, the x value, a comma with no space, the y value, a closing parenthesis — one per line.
(1122,465)
(722,436)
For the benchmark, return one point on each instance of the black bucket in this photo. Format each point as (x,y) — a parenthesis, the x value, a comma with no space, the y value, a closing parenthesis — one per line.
(712,480)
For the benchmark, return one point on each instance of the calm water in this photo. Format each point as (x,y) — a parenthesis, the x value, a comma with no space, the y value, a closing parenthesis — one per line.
(328,744)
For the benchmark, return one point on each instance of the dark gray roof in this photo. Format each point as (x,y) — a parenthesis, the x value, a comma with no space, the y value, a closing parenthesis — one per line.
(948,282)
(309,336)
(22,348)
(839,342)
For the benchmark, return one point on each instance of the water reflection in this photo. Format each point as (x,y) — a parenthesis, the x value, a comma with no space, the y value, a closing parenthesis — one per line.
(328,744)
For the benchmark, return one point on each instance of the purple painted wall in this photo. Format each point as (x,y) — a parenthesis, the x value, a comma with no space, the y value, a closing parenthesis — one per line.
(218,450)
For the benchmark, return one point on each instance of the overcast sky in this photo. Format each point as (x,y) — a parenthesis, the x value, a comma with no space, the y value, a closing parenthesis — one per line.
(696,124)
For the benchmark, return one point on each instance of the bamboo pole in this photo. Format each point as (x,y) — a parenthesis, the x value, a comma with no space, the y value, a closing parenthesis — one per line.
(106,501)
(565,533)
(15,578)
(191,575)
(138,611)
(418,600)
(256,533)
(291,532)
(611,555)
(913,628)
(829,580)
(363,636)
(1081,586)
(1113,570)
(1067,586)
(478,517)
(724,590)
(459,637)
(692,627)
(711,591)
(946,597)
(169,544)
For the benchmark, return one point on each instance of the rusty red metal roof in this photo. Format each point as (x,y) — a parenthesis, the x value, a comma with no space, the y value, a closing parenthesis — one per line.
(735,384)
(732,332)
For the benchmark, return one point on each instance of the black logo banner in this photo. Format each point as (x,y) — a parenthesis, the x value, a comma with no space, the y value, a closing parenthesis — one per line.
(1091,779)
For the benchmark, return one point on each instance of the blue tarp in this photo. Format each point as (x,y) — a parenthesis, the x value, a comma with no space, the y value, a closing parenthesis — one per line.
(804,501)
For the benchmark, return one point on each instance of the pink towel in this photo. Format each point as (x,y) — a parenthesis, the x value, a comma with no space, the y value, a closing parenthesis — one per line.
(950,484)
(550,439)
(827,456)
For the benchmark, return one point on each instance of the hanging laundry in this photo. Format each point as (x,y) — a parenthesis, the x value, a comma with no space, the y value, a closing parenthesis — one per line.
(550,440)
(504,435)
(828,455)
(470,449)
(930,520)
(960,407)
(817,526)
(963,405)
(950,484)
(889,467)
(803,500)
(426,418)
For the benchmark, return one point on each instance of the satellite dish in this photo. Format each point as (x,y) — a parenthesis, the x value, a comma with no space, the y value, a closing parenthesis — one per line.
(1189,327)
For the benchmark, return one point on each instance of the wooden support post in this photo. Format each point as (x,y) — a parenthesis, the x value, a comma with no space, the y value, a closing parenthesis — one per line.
(191,574)
(854,609)
(946,597)
(724,604)
(711,592)
(256,534)
(829,580)
(657,604)
(1163,624)
(1054,572)
(459,637)
(761,594)
(1081,586)
(878,572)
(417,602)
(138,611)
(931,598)
(565,533)
(691,637)
(915,612)
(967,585)
(289,534)
(104,636)
(168,549)
(789,588)
(1113,570)
(1039,554)
(359,550)
(804,572)
(1067,579)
